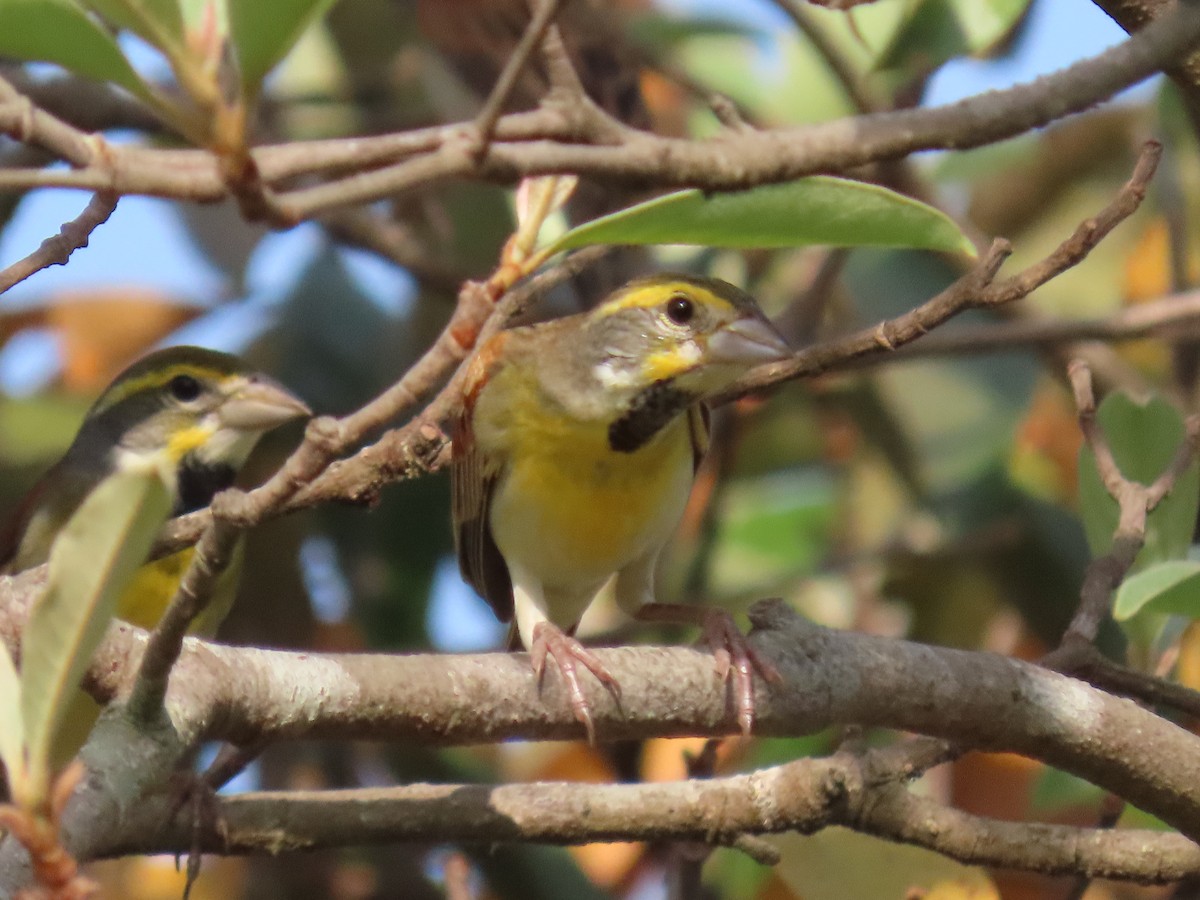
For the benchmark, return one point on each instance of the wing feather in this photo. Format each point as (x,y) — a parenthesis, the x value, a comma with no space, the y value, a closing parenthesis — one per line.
(473,478)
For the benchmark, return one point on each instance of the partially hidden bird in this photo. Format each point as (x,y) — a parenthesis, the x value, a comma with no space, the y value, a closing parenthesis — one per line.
(196,412)
(574,456)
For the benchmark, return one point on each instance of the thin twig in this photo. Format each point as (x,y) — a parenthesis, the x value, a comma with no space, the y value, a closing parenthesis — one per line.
(974,290)
(485,122)
(1135,502)
(55,251)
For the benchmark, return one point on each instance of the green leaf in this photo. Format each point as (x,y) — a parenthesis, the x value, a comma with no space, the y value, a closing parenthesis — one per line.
(59,31)
(1055,790)
(263,31)
(1144,439)
(12,731)
(92,560)
(157,22)
(817,210)
(935,31)
(1168,587)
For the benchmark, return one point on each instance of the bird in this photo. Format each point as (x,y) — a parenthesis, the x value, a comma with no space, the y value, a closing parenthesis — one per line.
(195,412)
(573,458)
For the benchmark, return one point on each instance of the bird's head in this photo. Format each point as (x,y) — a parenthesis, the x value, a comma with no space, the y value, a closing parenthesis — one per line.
(698,334)
(194,411)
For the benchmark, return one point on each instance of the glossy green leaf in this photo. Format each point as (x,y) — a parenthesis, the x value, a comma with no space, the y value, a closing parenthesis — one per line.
(263,31)
(155,21)
(817,210)
(59,31)
(1144,439)
(1168,587)
(12,730)
(92,560)
(935,31)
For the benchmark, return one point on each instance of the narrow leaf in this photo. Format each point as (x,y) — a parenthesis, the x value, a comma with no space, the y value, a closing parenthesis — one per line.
(263,31)
(59,31)
(92,560)
(817,210)
(12,731)
(1168,587)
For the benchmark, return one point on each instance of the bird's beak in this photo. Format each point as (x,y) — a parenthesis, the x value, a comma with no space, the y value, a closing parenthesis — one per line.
(748,342)
(260,405)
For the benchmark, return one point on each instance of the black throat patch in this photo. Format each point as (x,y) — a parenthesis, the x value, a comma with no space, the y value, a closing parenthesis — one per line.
(650,411)
(198,483)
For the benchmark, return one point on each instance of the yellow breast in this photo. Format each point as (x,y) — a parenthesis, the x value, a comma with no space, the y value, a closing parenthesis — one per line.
(569,508)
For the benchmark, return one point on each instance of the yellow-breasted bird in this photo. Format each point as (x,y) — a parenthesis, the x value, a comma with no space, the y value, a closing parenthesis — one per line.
(574,457)
(199,410)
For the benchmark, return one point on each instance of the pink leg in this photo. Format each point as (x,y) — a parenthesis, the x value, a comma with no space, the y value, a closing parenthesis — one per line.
(736,659)
(567,651)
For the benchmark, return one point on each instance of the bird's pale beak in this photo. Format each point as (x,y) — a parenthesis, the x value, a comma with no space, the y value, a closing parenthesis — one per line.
(260,405)
(748,342)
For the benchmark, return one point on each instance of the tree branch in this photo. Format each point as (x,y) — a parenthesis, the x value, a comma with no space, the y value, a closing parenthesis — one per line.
(805,795)
(55,251)
(557,140)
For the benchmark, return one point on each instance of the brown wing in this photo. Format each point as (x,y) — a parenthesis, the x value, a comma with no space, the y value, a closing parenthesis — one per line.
(473,479)
(700,425)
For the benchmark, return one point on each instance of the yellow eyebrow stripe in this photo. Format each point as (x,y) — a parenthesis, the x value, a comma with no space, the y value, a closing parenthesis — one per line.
(649,295)
(152,380)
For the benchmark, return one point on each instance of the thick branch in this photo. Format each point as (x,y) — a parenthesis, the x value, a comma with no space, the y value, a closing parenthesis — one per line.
(805,795)
(973,699)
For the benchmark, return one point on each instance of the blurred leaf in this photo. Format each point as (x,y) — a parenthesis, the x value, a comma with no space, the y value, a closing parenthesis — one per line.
(59,31)
(772,527)
(157,22)
(1144,439)
(263,31)
(660,30)
(1055,790)
(935,31)
(1166,587)
(817,210)
(837,863)
(94,557)
(12,729)
(102,330)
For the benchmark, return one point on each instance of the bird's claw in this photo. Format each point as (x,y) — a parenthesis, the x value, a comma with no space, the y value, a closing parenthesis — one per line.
(736,662)
(567,652)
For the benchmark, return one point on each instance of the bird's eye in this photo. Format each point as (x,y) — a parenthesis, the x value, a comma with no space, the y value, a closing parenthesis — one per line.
(184,388)
(680,309)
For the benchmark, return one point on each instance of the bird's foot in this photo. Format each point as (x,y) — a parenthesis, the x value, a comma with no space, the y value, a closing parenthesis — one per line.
(198,793)
(567,652)
(736,659)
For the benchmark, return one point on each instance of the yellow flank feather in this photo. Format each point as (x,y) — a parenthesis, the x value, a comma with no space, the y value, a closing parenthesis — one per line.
(145,599)
(657,292)
(153,380)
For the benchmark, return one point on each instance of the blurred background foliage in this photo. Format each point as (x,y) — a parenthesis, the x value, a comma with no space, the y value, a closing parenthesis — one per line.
(933,499)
